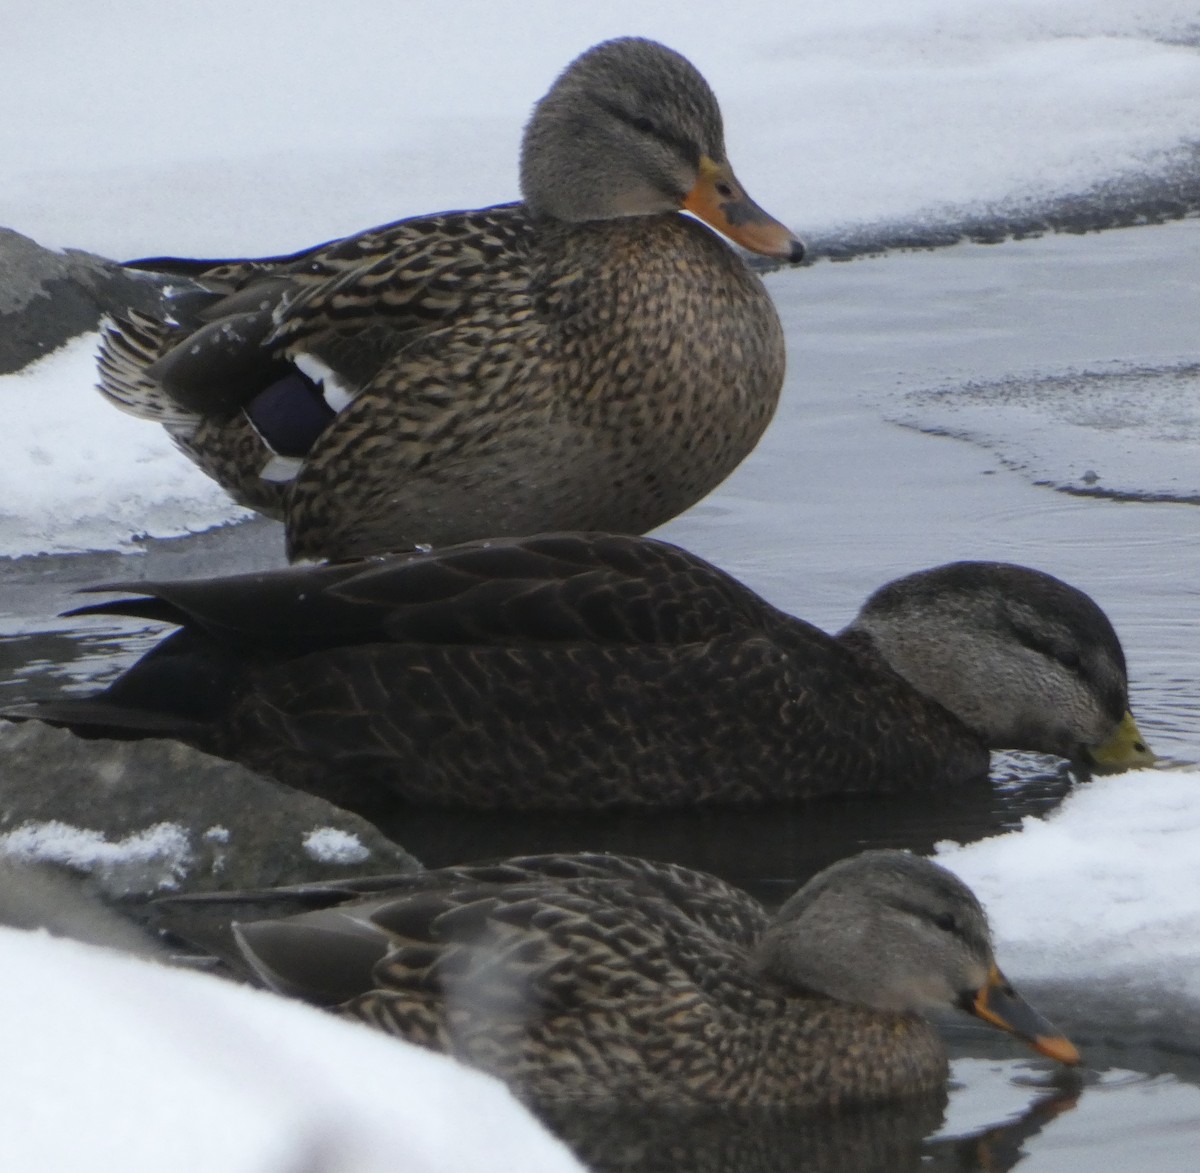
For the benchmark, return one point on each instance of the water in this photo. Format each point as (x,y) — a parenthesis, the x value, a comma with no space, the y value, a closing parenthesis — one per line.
(838,499)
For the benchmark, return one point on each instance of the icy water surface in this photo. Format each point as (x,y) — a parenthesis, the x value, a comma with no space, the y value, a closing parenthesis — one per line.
(934,402)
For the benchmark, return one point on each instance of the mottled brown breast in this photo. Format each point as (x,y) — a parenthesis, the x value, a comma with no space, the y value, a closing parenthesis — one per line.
(588,376)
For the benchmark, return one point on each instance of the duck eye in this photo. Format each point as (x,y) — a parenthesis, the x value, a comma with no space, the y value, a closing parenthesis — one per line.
(946,922)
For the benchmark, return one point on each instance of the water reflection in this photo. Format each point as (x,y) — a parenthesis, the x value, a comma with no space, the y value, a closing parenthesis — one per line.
(768,850)
(1000,1146)
(50,662)
(890,1138)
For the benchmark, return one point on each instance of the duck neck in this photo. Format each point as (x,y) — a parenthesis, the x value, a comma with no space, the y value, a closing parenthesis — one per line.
(862,646)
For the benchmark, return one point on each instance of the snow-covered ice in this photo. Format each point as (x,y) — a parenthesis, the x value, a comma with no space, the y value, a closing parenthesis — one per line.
(76,474)
(226,129)
(119,1065)
(1119,430)
(1103,893)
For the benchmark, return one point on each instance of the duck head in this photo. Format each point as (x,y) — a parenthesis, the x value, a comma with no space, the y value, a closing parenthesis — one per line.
(631,128)
(900,934)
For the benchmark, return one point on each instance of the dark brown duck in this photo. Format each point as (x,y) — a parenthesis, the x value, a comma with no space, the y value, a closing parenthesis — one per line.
(585,359)
(587,671)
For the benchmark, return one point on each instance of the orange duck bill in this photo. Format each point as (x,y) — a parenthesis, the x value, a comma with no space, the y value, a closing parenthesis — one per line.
(999,1004)
(719,200)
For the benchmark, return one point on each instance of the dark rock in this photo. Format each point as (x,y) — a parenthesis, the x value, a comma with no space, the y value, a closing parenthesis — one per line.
(47,297)
(152,817)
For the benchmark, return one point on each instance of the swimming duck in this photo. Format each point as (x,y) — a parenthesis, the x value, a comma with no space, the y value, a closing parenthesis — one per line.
(594,670)
(587,358)
(608,979)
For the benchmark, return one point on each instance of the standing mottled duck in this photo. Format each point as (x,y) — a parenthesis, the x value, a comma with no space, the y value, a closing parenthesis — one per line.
(594,670)
(607,979)
(586,359)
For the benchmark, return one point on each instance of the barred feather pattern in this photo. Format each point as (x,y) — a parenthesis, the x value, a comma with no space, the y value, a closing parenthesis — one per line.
(503,376)
(228,449)
(540,399)
(128,345)
(619,980)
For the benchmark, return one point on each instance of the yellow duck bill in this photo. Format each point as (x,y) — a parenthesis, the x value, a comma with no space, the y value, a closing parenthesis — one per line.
(1126,749)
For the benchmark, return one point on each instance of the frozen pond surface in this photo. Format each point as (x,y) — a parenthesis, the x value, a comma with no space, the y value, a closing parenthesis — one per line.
(838,499)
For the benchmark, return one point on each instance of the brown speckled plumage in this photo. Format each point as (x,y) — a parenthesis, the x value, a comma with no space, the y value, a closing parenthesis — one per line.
(589,671)
(588,359)
(603,979)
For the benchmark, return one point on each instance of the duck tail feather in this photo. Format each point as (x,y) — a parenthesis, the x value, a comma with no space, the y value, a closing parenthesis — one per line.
(128,345)
(92,718)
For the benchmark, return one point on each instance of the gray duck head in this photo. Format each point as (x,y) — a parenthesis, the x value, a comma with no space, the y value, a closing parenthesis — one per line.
(900,934)
(1023,659)
(631,128)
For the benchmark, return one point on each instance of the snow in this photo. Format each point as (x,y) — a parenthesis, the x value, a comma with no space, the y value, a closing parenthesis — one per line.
(177,133)
(76,474)
(153,1068)
(163,847)
(1102,892)
(333,845)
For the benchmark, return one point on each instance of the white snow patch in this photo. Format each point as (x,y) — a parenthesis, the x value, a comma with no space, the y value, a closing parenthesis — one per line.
(332,845)
(76,474)
(836,111)
(163,846)
(1106,889)
(218,838)
(157,1069)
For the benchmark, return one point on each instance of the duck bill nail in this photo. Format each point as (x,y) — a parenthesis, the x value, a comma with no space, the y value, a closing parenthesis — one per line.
(718,200)
(1126,749)
(1000,1005)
